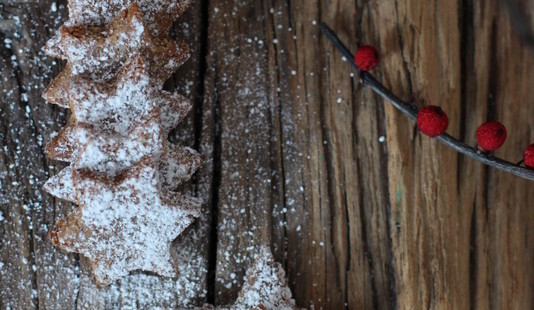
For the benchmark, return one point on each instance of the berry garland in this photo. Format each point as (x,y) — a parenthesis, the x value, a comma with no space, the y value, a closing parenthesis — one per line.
(432,120)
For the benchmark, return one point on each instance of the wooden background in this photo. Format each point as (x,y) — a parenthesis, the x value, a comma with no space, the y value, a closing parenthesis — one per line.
(293,158)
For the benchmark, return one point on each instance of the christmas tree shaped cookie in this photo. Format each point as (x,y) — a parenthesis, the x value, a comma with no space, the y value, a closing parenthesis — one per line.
(265,287)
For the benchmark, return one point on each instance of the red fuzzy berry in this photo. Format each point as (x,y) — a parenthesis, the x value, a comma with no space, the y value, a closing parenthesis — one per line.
(491,135)
(432,121)
(528,156)
(366,57)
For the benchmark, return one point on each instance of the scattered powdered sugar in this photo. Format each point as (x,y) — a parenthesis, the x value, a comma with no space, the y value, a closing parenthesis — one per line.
(111,126)
(115,125)
(173,109)
(57,92)
(62,185)
(52,48)
(90,52)
(126,219)
(110,153)
(120,104)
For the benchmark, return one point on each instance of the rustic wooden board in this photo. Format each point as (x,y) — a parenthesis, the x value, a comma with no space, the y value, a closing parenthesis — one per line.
(293,158)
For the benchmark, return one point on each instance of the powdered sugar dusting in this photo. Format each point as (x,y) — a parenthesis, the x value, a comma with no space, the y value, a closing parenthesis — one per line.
(90,50)
(112,153)
(118,123)
(57,91)
(118,108)
(177,165)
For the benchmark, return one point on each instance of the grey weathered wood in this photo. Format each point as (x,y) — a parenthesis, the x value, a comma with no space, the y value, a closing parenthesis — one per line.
(33,273)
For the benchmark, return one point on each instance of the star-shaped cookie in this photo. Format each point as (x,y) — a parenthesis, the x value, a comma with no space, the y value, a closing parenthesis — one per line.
(111,154)
(117,108)
(118,105)
(123,223)
(97,53)
(158,14)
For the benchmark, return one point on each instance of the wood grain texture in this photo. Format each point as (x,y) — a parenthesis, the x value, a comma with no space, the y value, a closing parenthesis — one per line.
(292,158)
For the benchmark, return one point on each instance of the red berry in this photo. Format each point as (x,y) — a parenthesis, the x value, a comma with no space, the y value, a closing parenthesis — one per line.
(491,135)
(432,121)
(366,57)
(528,156)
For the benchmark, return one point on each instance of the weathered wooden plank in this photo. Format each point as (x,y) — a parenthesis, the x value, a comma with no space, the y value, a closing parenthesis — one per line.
(322,220)
(236,86)
(15,273)
(423,179)
(478,25)
(347,247)
(510,199)
(450,245)
(49,278)
(366,199)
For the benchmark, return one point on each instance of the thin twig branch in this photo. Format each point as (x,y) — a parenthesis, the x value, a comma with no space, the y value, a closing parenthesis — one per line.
(411,111)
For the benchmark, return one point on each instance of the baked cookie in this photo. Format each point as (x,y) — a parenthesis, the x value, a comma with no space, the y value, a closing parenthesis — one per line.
(265,287)
(123,223)
(97,53)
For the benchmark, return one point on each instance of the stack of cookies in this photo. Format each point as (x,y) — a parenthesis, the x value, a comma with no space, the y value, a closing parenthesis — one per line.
(123,172)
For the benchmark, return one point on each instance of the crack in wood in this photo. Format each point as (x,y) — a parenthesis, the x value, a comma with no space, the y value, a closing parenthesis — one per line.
(215,188)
